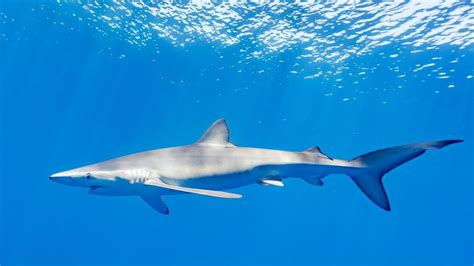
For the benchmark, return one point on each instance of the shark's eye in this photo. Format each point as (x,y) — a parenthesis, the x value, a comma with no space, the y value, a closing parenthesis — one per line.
(88,175)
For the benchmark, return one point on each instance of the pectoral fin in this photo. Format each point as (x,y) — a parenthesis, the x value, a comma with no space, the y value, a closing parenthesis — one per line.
(156,202)
(205,192)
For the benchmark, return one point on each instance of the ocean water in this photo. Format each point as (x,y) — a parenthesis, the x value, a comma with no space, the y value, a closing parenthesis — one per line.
(85,81)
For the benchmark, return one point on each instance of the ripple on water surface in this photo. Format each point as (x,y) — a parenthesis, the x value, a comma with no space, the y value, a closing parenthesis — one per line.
(326,33)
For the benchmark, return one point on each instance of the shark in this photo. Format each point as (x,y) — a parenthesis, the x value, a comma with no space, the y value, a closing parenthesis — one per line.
(213,165)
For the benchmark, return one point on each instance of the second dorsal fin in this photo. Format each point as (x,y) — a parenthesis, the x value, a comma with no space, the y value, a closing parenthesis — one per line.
(216,134)
(317,151)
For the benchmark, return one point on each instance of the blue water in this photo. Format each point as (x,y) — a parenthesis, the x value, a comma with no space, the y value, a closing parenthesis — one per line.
(76,89)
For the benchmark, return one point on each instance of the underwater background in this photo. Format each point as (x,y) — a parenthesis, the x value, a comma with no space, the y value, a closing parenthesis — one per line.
(85,81)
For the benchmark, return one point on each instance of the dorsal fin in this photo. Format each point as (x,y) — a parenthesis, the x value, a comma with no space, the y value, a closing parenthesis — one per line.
(317,151)
(216,134)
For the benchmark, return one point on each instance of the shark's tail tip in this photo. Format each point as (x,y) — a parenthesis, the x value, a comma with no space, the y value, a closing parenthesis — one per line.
(452,141)
(439,144)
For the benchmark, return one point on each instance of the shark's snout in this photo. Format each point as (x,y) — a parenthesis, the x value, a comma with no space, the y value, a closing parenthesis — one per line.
(57,175)
(63,179)
(75,177)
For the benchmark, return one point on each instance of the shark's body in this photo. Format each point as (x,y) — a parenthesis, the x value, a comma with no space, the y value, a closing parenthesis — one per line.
(214,164)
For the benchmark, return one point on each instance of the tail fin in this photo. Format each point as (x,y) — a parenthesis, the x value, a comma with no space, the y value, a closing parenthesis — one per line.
(377,163)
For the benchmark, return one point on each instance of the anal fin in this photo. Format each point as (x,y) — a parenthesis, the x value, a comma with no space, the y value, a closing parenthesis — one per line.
(314,180)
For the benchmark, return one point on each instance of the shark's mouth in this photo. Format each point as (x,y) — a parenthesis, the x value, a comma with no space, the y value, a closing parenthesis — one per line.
(65,180)
(111,191)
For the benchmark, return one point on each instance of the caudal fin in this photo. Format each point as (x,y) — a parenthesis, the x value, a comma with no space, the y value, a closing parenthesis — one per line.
(377,163)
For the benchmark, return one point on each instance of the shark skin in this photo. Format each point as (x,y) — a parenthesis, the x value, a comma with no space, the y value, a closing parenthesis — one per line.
(213,164)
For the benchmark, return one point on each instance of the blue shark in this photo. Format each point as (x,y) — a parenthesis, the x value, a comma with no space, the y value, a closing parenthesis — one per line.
(213,165)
